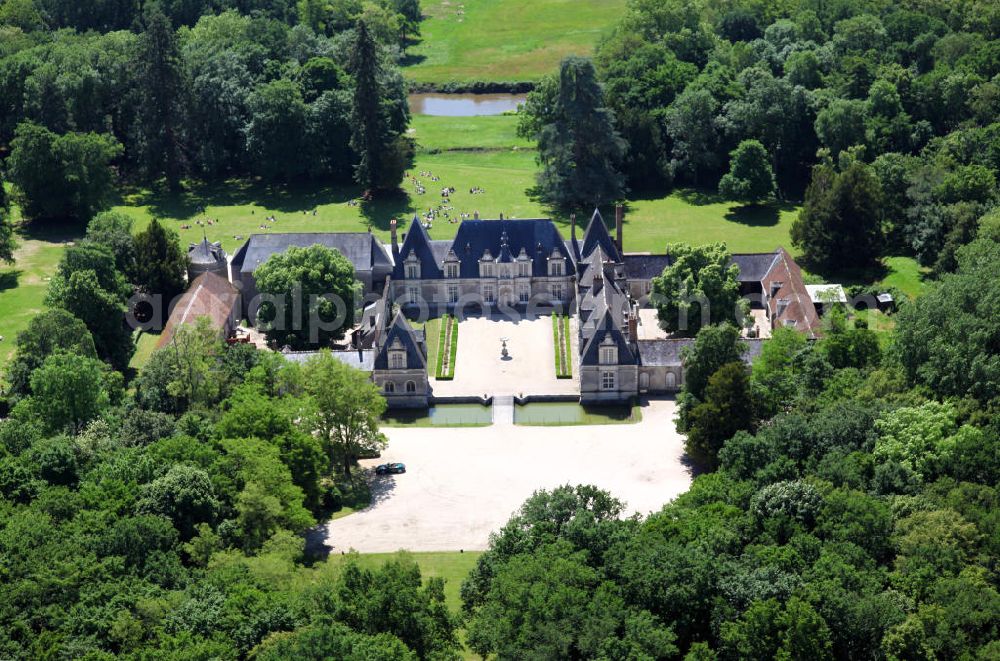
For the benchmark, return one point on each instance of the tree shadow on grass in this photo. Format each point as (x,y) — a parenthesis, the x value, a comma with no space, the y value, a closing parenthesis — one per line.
(299,197)
(698,197)
(411,59)
(52,231)
(386,206)
(845,276)
(754,215)
(9,279)
(284,198)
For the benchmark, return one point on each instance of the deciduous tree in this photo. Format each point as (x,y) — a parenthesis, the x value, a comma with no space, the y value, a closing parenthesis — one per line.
(701,286)
(53,330)
(750,179)
(68,391)
(61,176)
(346,408)
(310,296)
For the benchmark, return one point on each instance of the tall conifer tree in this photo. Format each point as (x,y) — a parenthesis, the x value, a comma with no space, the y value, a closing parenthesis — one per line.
(580,150)
(161,92)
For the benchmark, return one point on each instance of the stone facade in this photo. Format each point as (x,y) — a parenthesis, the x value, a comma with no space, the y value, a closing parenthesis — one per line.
(510,265)
(400,369)
(490,264)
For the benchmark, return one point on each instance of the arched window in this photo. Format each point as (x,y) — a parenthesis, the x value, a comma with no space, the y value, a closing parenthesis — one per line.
(390,387)
(411,386)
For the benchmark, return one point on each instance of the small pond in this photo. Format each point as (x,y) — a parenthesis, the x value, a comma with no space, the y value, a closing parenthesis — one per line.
(442,415)
(464,105)
(571,413)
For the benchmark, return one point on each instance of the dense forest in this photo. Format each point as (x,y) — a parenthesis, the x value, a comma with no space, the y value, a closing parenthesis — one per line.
(882,115)
(96,94)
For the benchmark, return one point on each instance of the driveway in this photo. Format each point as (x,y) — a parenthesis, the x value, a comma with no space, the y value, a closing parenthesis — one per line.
(461,484)
(529,369)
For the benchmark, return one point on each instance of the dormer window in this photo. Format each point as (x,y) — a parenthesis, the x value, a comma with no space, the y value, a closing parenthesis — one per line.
(486,265)
(609,352)
(776,286)
(411,267)
(397,356)
(523,264)
(557,266)
(782,306)
(451,270)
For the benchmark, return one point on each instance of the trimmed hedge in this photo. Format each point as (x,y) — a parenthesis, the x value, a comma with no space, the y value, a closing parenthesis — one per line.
(449,327)
(563,346)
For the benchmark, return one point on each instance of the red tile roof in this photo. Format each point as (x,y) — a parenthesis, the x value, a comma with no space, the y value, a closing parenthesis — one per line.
(210,295)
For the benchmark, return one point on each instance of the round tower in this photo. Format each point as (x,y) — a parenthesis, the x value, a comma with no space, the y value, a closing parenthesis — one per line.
(205,257)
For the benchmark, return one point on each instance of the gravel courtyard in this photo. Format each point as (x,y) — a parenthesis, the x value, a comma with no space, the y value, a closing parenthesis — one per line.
(530,368)
(461,484)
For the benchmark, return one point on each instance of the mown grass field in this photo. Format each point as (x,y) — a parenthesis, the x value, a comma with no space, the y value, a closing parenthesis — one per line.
(24,283)
(504,40)
(463,153)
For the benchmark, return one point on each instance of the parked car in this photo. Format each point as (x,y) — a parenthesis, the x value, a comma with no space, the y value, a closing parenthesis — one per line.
(390,469)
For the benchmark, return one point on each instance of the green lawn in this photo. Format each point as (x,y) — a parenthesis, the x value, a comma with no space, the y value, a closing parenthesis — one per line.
(504,40)
(697,217)
(145,344)
(432,331)
(452,566)
(503,165)
(23,284)
(905,274)
(496,132)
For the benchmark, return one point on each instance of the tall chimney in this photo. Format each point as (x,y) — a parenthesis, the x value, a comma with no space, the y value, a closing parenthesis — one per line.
(619,219)
(392,232)
(572,227)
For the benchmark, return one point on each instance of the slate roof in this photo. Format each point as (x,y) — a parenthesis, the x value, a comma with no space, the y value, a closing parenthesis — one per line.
(595,235)
(358,359)
(754,266)
(667,353)
(400,329)
(603,295)
(210,295)
(363,250)
(662,353)
(606,327)
(417,242)
(645,267)
(205,253)
(505,239)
